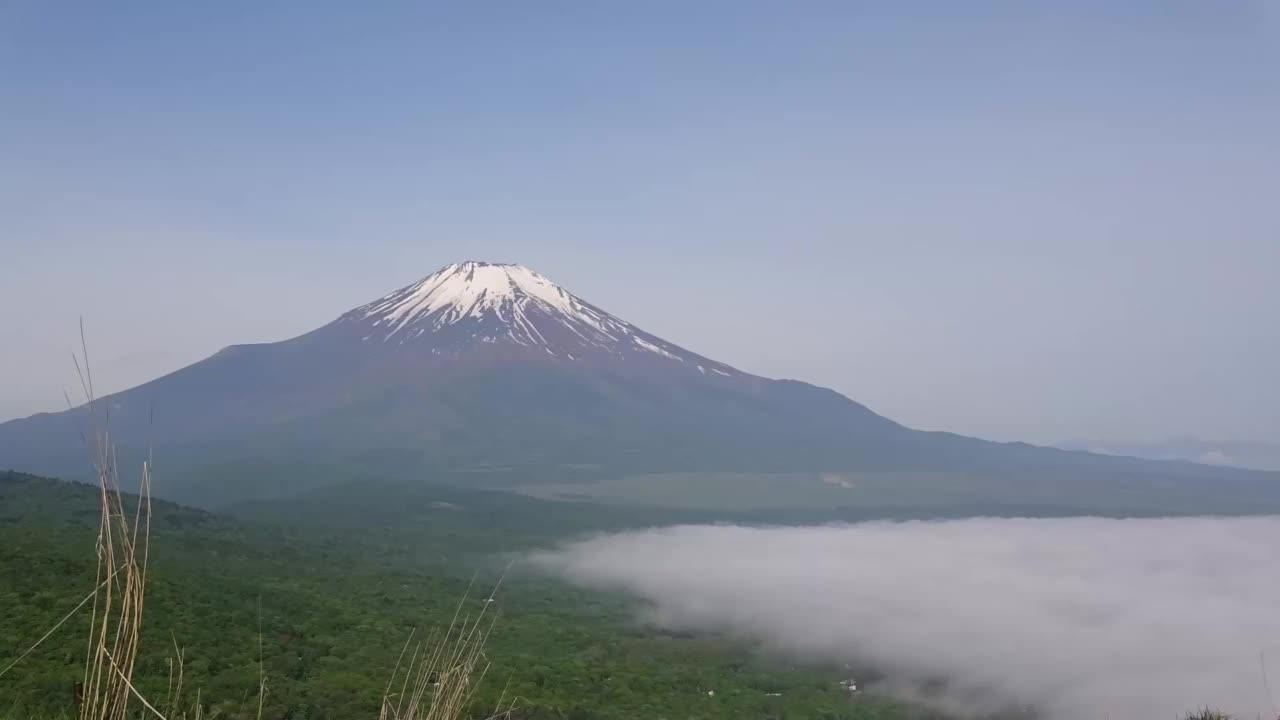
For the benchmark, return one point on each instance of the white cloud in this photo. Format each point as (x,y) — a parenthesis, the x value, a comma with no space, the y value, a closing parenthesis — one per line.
(1082,618)
(1217,457)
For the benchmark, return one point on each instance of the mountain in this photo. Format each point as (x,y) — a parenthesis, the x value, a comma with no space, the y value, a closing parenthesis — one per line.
(492,375)
(1249,455)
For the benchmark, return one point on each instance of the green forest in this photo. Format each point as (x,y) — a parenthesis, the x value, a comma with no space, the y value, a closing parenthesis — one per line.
(334,583)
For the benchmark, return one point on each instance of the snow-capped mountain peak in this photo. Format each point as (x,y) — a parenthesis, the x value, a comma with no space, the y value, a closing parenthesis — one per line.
(504,304)
(468,289)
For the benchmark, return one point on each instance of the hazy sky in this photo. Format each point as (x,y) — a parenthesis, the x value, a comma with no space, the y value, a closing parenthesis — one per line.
(1016,220)
(1082,617)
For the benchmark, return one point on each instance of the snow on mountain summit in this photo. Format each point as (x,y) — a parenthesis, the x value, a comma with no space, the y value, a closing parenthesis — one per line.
(482,291)
(479,302)
(466,289)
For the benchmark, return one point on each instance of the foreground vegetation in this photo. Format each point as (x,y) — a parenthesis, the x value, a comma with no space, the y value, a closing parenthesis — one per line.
(337,593)
(300,609)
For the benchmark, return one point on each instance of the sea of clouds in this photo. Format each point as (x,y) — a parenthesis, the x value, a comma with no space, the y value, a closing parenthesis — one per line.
(1079,618)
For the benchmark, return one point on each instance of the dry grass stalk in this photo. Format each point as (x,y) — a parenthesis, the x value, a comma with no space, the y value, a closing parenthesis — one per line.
(443,672)
(122,548)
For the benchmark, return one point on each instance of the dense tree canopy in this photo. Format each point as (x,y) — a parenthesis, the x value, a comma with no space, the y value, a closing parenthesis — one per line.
(340,582)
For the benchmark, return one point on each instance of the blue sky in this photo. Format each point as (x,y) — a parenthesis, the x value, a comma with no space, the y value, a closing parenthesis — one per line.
(1018,220)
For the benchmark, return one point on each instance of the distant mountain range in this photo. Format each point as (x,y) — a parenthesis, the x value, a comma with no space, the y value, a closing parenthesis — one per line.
(492,375)
(1249,455)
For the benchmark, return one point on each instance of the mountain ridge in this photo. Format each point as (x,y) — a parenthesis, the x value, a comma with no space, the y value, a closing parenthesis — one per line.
(481,365)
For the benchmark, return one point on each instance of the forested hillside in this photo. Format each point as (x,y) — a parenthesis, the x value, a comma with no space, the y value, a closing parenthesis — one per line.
(338,598)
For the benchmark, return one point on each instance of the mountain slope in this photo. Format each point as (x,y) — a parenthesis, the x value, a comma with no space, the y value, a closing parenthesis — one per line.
(485,373)
(1248,455)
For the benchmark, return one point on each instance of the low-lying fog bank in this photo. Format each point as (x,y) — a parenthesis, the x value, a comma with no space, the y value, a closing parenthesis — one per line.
(1082,618)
